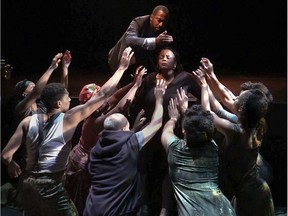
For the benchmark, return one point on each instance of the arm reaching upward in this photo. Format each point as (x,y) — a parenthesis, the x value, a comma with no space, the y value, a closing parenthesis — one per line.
(168,130)
(31,98)
(225,95)
(156,122)
(79,113)
(122,103)
(182,100)
(66,60)
(222,125)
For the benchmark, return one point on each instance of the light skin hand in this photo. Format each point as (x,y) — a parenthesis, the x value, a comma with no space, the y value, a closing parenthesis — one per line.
(56,60)
(159,90)
(199,77)
(173,110)
(140,72)
(66,59)
(126,57)
(182,99)
(207,66)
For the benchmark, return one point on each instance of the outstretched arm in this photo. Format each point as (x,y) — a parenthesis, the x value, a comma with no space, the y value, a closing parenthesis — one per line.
(80,112)
(66,60)
(133,38)
(31,98)
(182,100)
(122,103)
(156,122)
(225,95)
(168,130)
(120,93)
(222,125)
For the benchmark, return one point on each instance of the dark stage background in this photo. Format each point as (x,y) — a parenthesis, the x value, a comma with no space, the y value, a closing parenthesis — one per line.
(245,36)
(240,38)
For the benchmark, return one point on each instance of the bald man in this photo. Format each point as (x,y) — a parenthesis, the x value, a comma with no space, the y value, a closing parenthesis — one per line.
(113,166)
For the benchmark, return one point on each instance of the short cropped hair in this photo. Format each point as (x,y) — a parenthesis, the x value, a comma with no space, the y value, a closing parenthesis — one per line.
(198,125)
(162,8)
(52,93)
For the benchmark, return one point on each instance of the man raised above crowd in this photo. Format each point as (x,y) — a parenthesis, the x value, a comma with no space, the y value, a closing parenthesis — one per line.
(145,35)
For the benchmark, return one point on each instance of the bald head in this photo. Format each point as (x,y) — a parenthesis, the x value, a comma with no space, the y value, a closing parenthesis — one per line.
(116,121)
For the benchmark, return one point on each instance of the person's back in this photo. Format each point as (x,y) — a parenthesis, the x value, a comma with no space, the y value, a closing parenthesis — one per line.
(193,164)
(113,166)
(77,177)
(114,175)
(243,142)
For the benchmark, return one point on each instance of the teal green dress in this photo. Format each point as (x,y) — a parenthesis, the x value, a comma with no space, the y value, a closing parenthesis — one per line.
(194,175)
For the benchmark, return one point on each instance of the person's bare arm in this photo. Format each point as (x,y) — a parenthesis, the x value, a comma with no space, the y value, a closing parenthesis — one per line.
(224,94)
(122,103)
(31,98)
(13,144)
(120,93)
(168,130)
(66,60)
(80,112)
(222,125)
(182,100)
(156,122)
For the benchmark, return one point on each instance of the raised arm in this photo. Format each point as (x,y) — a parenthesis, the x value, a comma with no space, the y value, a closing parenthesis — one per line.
(225,95)
(80,112)
(66,60)
(222,125)
(200,78)
(182,100)
(110,86)
(122,103)
(31,98)
(156,122)
(168,130)
(120,93)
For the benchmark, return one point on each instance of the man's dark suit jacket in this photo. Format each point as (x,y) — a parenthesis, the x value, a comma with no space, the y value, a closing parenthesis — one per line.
(142,40)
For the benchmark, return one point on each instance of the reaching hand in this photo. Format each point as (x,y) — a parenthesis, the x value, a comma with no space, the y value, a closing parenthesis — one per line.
(159,90)
(199,76)
(172,109)
(164,38)
(56,60)
(66,59)
(182,100)
(139,121)
(207,66)
(140,72)
(126,57)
